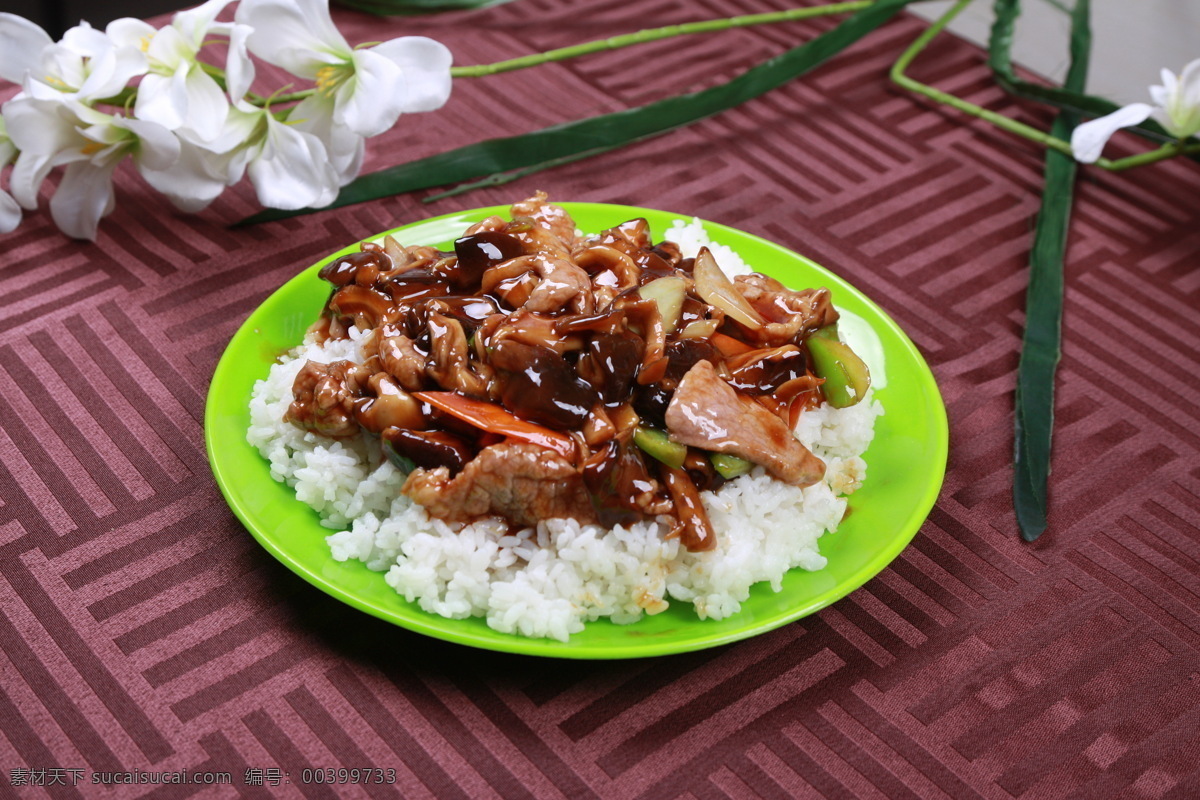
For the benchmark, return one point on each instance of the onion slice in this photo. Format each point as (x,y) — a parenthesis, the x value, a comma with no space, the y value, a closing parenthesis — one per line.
(668,293)
(715,288)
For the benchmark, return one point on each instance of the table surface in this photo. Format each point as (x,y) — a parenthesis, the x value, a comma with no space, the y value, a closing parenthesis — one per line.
(143,629)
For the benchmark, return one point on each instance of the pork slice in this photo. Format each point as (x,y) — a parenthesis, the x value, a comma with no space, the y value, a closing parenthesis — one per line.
(403,361)
(449,358)
(539,210)
(523,483)
(708,413)
(322,401)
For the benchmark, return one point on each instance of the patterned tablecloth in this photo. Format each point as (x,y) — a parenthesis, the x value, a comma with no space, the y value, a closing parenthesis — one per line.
(145,631)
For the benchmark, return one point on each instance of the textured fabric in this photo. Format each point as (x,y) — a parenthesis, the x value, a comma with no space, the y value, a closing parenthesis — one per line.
(143,629)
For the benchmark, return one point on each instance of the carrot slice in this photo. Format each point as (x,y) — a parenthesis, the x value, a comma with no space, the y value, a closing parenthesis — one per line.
(729,346)
(499,420)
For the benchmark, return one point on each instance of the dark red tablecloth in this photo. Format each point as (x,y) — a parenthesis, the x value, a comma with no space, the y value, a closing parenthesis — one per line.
(144,630)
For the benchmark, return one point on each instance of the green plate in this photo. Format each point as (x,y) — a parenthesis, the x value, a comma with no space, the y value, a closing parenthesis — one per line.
(906,463)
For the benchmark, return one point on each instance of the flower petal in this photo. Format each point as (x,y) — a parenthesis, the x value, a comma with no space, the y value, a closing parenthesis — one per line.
(239,69)
(169,48)
(370,102)
(156,148)
(41,127)
(292,171)
(10,213)
(8,150)
(314,115)
(298,35)
(47,134)
(1189,83)
(1182,108)
(241,128)
(82,198)
(10,209)
(425,66)
(1089,139)
(194,23)
(62,66)
(21,45)
(26,177)
(192,182)
(112,70)
(206,104)
(129,32)
(86,41)
(164,98)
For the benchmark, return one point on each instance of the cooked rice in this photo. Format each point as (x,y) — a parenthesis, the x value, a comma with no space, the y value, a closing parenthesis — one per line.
(550,580)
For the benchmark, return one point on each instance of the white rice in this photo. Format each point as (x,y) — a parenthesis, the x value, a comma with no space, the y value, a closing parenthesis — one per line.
(550,580)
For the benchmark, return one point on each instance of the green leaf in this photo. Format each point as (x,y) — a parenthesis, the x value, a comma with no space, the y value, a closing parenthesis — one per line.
(1041,344)
(385,8)
(605,131)
(1000,60)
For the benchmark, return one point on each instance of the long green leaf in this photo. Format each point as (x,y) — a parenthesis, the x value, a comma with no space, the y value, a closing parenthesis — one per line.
(1041,344)
(607,130)
(386,8)
(1000,42)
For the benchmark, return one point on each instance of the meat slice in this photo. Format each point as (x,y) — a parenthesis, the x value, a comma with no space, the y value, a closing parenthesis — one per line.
(544,214)
(323,403)
(403,361)
(707,412)
(521,482)
(559,282)
(790,315)
(449,363)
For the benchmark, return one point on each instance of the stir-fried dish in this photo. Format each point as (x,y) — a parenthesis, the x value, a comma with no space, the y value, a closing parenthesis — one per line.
(533,373)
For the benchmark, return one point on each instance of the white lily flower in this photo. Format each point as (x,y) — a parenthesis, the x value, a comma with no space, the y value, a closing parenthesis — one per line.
(346,148)
(85,64)
(177,92)
(195,179)
(205,169)
(90,144)
(366,89)
(289,168)
(21,45)
(1176,107)
(10,210)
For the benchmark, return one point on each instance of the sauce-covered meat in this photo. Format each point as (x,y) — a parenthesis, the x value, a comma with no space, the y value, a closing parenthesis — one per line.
(531,373)
(707,412)
(523,483)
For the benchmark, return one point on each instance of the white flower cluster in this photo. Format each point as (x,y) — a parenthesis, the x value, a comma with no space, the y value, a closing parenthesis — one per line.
(193,128)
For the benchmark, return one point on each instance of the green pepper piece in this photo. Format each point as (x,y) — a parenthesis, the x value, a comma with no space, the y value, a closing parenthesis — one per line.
(402,463)
(729,466)
(656,443)
(846,376)
(828,332)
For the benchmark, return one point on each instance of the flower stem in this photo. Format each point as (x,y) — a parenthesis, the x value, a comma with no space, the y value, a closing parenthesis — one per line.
(1169,150)
(654,34)
(626,40)
(900,78)
(999,120)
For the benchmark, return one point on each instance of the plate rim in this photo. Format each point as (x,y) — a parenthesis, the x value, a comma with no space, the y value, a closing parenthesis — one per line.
(428,623)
